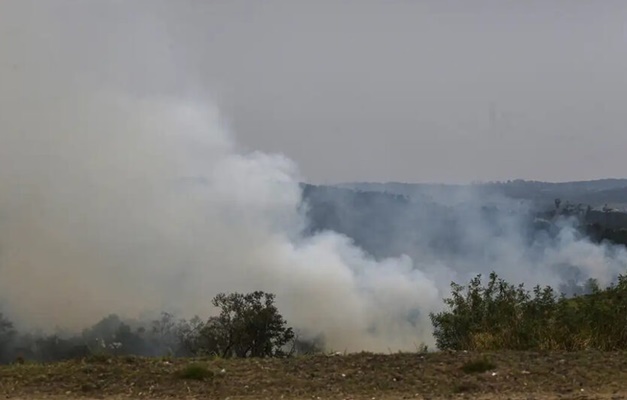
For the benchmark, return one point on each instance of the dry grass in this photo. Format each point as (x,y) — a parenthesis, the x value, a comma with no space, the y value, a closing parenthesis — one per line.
(359,376)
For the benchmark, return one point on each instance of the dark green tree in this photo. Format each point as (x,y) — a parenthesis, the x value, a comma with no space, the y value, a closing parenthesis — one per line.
(7,333)
(249,325)
(501,316)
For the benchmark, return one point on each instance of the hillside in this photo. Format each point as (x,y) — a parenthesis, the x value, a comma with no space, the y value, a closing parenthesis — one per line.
(388,219)
(360,376)
(596,192)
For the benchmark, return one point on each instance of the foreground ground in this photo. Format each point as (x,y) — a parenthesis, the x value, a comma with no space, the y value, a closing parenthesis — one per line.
(583,375)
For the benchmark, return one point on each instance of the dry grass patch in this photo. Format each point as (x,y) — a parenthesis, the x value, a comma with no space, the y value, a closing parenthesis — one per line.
(356,376)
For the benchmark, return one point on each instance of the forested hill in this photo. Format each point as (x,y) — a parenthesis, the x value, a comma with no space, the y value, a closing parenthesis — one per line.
(596,193)
(390,219)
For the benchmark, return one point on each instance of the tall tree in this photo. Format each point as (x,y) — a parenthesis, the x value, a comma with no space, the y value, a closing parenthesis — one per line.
(249,325)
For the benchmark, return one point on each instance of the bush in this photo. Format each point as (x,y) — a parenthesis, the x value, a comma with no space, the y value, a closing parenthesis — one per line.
(478,366)
(249,325)
(196,372)
(502,316)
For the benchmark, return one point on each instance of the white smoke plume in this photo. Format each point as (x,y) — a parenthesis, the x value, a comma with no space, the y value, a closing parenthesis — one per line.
(140,205)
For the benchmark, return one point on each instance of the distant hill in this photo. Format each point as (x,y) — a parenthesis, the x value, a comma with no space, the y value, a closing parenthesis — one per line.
(596,193)
(387,224)
(387,219)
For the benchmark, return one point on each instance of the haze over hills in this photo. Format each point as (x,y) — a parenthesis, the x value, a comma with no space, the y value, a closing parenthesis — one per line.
(597,193)
(513,226)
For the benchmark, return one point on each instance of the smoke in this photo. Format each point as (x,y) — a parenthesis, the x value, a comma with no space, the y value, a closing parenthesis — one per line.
(137,205)
(135,201)
(456,233)
(141,205)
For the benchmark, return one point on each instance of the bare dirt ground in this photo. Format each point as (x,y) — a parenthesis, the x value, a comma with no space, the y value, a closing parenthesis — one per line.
(515,375)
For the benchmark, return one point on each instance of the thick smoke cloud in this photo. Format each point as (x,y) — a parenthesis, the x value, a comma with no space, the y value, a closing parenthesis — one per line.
(133,201)
(453,233)
(140,205)
(137,205)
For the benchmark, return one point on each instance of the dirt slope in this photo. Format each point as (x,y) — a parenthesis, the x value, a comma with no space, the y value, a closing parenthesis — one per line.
(361,376)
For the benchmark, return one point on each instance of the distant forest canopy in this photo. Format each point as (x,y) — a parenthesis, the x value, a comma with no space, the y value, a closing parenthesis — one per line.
(383,218)
(597,193)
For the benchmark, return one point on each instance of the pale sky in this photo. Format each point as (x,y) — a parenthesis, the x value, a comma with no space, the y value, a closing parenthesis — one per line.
(414,91)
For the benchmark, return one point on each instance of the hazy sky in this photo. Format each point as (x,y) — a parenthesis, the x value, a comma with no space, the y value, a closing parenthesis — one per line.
(448,91)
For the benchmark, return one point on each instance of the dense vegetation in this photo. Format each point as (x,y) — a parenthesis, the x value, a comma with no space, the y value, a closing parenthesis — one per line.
(248,325)
(501,316)
(480,317)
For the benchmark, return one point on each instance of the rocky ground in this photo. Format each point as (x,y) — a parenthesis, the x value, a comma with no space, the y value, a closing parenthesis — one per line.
(503,375)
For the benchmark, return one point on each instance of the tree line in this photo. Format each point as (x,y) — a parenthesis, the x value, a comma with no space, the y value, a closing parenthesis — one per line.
(502,316)
(495,315)
(248,325)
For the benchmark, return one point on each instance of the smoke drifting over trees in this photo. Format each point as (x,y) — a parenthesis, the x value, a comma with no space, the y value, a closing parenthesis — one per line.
(135,206)
(142,205)
(133,202)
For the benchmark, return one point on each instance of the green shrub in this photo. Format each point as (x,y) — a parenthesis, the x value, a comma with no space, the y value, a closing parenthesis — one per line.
(501,316)
(196,372)
(249,325)
(478,366)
